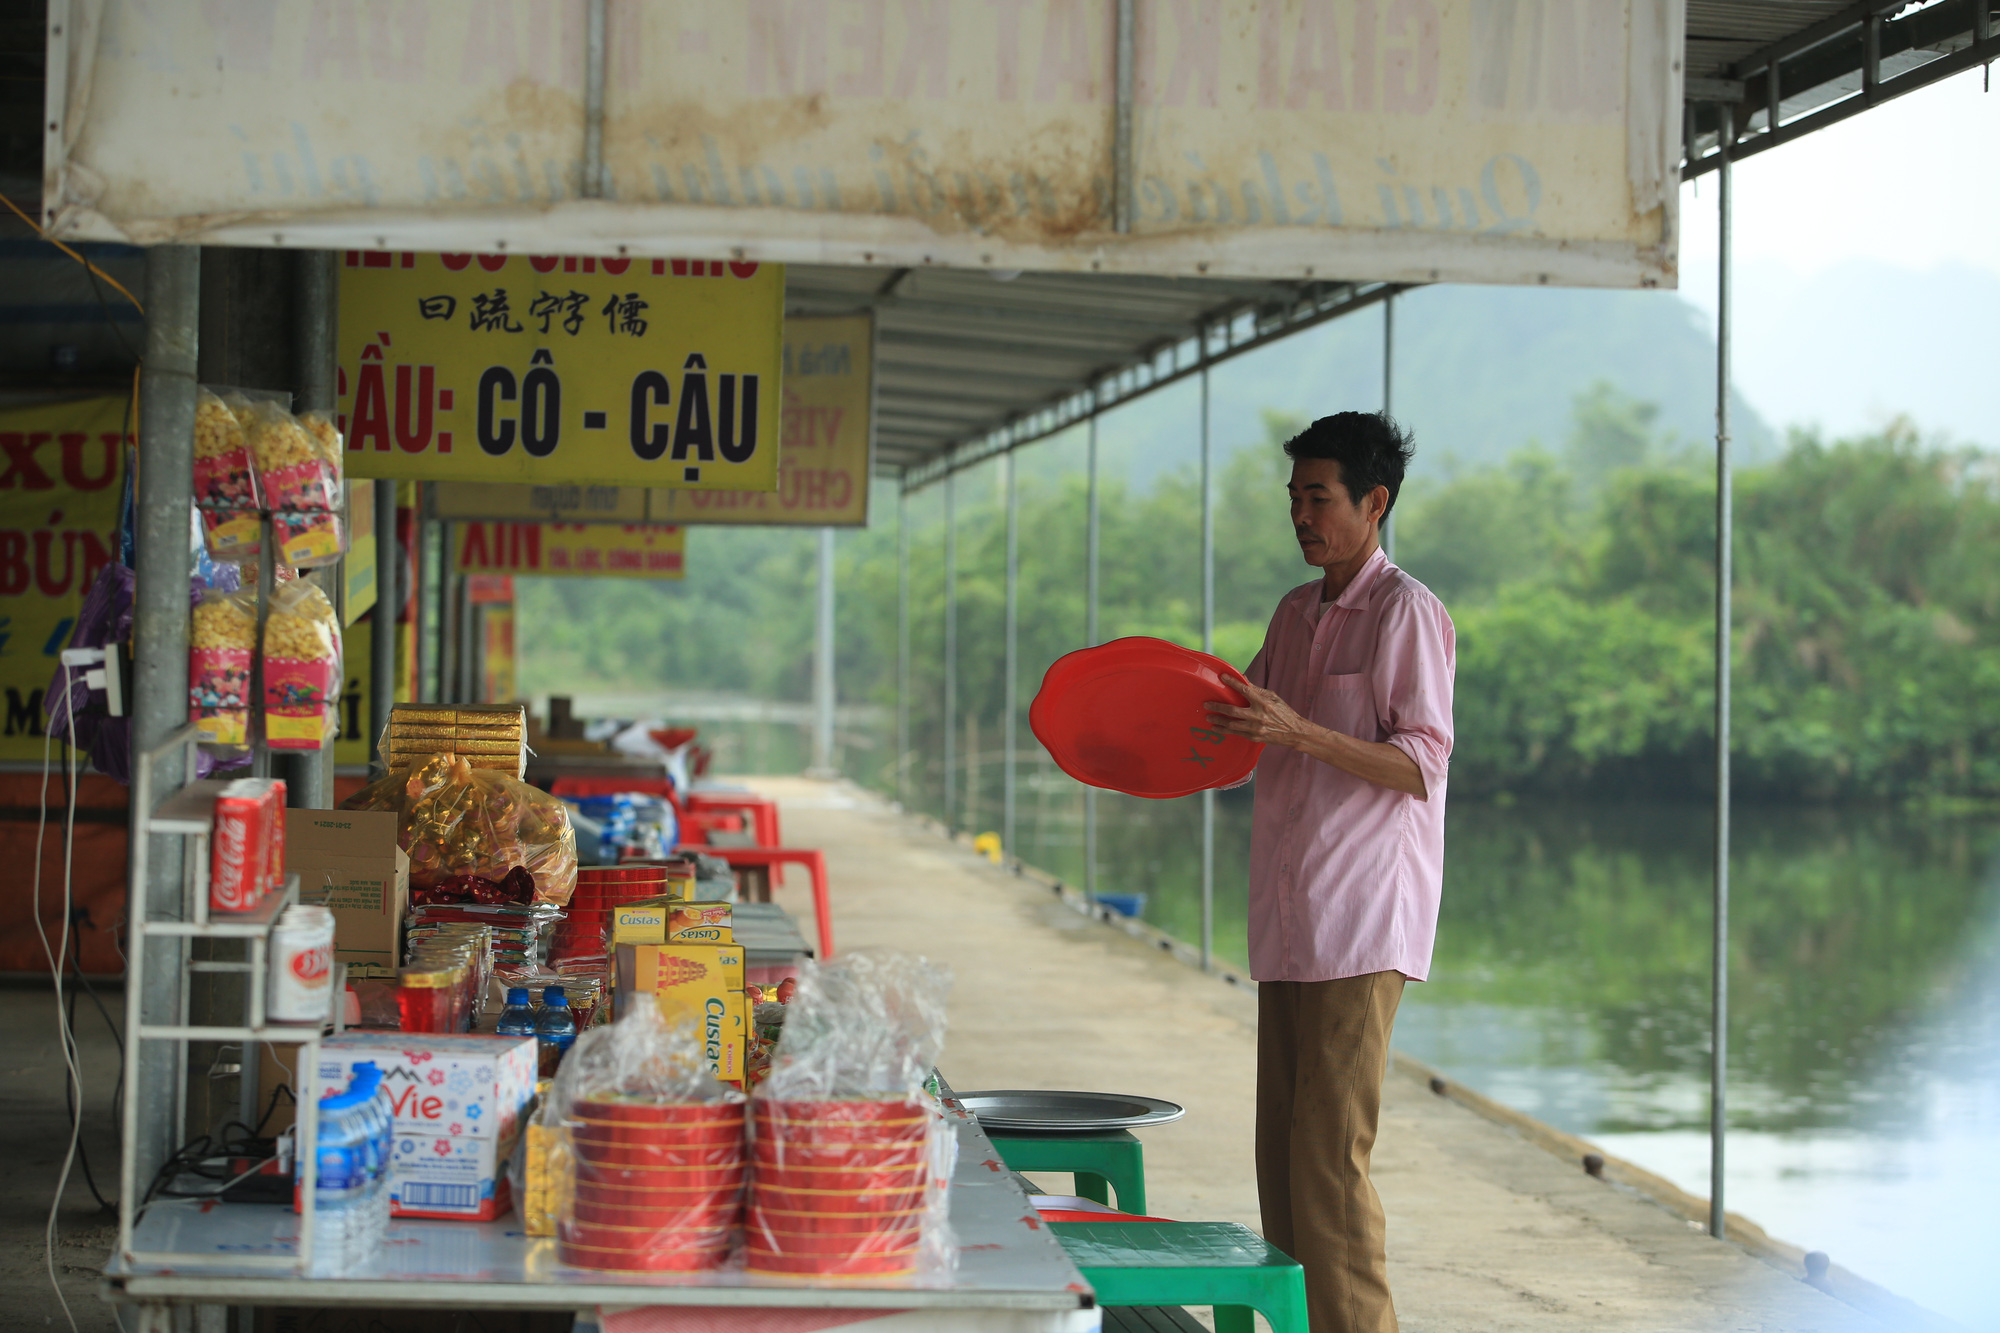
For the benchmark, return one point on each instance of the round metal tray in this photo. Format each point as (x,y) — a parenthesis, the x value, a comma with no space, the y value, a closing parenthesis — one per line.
(1067,1112)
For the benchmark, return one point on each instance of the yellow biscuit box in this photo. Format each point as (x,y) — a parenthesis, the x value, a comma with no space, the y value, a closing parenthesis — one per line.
(671,921)
(699,982)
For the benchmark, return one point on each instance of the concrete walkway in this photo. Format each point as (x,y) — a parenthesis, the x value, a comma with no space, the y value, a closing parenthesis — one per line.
(1486,1230)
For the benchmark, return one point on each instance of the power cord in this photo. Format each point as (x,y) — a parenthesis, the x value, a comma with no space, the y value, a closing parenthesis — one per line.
(74,1086)
(79,917)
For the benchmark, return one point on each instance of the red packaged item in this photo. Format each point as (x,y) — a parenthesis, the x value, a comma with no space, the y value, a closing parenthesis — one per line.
(239,851)
(221,639)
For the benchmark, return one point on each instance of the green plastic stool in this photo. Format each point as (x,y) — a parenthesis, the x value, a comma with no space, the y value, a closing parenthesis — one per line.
(1217,1264)
(1115,1158)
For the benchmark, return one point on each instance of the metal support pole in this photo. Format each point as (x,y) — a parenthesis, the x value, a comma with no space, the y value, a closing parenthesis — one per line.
(593,101)
(446,619)
(1718,1073)
(903,646)
(315,358)
(1207,646)
(160,677)
(1090,636)
(823,691)
(1121,136)
(388,605)
(950,654)
(1009,690)
(1388,398)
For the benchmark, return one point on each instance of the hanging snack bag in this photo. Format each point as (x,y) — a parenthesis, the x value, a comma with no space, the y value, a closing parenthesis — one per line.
(298,461)
(220,643)
(475,835)
(225,481)
(301,668)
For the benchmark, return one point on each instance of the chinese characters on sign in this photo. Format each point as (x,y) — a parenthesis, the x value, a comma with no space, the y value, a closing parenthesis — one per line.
(547,368)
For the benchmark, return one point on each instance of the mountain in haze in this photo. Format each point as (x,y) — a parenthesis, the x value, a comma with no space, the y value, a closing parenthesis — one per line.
(1480,372)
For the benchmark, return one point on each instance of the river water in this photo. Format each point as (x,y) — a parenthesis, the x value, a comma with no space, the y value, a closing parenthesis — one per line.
(1571,981)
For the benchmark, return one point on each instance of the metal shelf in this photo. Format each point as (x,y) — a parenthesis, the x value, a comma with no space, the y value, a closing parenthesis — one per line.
(189,811)
(236,925)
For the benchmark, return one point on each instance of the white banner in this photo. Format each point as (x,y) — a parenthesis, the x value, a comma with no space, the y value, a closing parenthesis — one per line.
(1482,140)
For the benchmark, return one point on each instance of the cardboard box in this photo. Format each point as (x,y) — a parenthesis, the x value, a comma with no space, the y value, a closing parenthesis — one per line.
(698,982)
(459,1103)
(349,858)
(672,921)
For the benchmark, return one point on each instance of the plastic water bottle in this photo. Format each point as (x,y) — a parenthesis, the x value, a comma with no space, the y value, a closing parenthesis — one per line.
(555,1030)
(518,1018)
(351,1193)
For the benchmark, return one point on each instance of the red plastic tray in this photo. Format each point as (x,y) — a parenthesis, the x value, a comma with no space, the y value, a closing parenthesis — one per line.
(1127,716)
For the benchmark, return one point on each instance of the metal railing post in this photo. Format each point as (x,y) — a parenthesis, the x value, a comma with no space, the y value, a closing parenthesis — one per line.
(1010,697)
(1388,398)
(315,356)
(1724,575)
(160,684)
(1207,646)
(950,653)
(1090,636)
(823,685)
(903,646)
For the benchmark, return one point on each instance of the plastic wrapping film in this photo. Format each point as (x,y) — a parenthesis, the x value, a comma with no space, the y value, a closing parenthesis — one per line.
(467,830)
(302,668)
(851,1159)
(221,641)
(225,481)
(647,1164)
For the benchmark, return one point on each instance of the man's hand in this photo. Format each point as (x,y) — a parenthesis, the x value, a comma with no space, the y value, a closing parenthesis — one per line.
(1270,720)
(1266,719)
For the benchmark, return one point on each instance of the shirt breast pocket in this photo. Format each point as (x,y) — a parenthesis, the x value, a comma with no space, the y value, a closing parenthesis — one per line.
(1346,704)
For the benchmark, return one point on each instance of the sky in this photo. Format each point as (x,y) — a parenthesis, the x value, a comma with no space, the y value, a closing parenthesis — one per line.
(1867,267)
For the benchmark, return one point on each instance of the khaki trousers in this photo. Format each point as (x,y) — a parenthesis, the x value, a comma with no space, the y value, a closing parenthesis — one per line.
(1322,1052)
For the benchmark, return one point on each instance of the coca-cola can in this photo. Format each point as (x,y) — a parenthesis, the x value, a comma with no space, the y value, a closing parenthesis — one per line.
(239,851)
(301,966)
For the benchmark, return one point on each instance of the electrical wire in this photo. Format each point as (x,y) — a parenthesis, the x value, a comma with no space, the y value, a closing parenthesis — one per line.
(72,254)
(74,1086)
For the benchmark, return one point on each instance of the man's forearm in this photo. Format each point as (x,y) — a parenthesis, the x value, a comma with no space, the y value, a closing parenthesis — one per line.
(1378,762)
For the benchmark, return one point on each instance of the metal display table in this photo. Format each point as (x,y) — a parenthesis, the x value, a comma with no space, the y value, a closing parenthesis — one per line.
(1012,1275)
(768,934)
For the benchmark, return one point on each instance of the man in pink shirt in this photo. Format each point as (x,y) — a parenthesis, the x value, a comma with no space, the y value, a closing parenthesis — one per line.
(1352,695)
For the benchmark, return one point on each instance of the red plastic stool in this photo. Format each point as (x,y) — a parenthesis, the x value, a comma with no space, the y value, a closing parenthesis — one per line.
(770,858)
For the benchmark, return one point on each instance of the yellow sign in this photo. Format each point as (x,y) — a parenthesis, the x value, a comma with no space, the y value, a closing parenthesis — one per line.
(61,478)
(573,550)
(549,368)
(829,437)
(555,502)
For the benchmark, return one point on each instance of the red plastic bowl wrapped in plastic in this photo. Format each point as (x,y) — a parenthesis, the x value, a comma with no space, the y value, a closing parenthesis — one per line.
(826,1133)
(599,1152)
(699,1259)
(837,1156)
(720,1208)
(854,1243)
(832,1224)
(661,1178)
(789,1177)
(637,1240)
(626,1196)
(898,1109)
(837,1201)
(633,1111)
(832,1265)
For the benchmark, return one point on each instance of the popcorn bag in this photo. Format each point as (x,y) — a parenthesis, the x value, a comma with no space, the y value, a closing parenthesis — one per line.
(851,1158)
(298,467)
(220,643)
(302,673)
(646,1168)
(474,835)
(225,482)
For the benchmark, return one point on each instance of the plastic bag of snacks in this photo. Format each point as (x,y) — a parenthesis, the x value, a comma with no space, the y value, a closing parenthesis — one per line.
(298,463)
(225,481)
(301,668)
(851,1157)
(467,830)
(646,1172)
(220,643)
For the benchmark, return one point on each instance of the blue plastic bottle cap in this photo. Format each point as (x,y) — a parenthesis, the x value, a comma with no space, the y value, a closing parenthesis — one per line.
(554,995)
(517,995)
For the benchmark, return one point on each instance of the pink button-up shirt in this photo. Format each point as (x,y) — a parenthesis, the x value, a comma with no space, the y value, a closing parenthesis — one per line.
(1345,875)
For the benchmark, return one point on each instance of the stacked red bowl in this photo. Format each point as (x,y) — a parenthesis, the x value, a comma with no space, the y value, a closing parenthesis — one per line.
(600,890)
(838,1189)
(658,1187)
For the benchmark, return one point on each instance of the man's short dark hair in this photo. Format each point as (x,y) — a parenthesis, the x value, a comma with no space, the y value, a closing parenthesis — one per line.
(1370,447)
